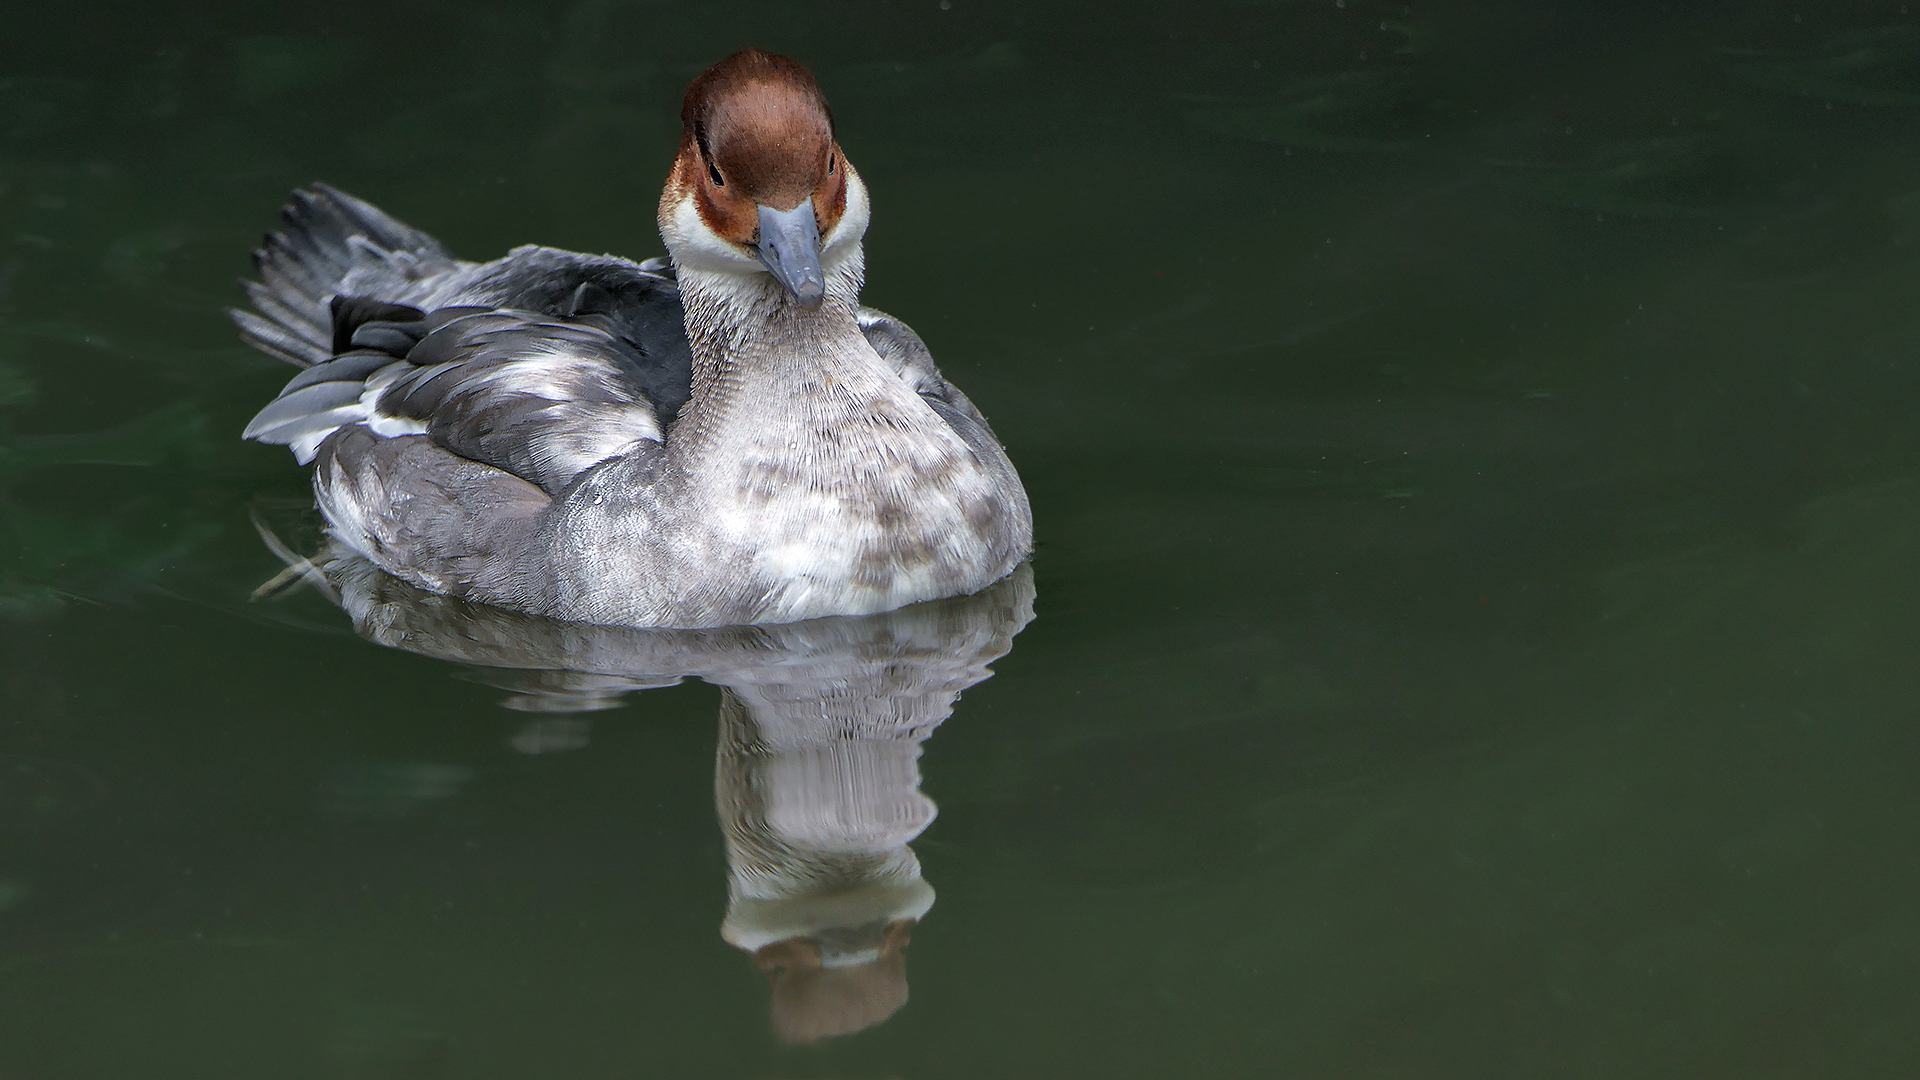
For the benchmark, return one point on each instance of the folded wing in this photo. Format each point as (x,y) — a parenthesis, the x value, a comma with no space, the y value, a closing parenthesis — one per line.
(541,397)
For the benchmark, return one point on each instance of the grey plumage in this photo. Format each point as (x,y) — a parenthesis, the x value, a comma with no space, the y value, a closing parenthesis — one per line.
(544,400)
(507,431)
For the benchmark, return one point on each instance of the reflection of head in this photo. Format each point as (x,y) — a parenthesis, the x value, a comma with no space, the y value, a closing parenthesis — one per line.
(837,983)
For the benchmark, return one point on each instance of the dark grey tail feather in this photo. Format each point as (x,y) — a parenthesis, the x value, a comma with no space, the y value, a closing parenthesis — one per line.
(274,340)
(326,237)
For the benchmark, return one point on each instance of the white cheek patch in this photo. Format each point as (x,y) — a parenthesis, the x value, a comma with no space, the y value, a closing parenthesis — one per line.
(844,240)
(695,246)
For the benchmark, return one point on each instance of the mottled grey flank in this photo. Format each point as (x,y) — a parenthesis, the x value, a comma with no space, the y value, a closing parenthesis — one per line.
(567,435)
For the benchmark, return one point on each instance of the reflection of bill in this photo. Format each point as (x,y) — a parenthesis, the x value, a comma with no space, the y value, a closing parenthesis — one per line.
(817,777)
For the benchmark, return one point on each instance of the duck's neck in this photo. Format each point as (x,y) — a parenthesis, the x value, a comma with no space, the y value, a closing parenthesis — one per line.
(761,359)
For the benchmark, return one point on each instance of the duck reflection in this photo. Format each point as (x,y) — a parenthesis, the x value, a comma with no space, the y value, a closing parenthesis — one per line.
(816,777)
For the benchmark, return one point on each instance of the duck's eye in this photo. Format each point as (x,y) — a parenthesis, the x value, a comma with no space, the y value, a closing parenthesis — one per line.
(830,158)
(706,155)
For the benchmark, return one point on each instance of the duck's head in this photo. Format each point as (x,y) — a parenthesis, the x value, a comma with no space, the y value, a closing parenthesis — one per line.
(760,186)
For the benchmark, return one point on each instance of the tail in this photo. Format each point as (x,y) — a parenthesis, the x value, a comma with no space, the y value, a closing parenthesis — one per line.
(330,244)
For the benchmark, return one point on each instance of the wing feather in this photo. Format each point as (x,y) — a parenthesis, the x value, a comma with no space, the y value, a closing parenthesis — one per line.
(541,398)
(275,340)
(303,402)
(347,367)
(540,364)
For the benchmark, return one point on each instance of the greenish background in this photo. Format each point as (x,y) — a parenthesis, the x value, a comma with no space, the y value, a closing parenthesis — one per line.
(1475,457)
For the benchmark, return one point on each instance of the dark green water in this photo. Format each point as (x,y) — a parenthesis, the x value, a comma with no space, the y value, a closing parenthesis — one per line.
(1475,457)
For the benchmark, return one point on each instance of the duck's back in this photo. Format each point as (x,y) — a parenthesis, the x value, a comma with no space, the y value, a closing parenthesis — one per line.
(445,403)
(337,261)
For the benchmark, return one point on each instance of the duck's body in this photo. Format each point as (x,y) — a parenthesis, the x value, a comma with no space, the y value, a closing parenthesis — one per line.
(730,440)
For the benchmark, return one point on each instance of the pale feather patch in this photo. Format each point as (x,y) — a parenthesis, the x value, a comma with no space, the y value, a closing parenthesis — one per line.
(343,506)
(595,433)
(536,375)
(380,423)
(812,549)
(308,444)
(583,433)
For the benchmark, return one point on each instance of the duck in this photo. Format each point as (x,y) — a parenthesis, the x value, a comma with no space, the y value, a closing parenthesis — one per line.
(724,436)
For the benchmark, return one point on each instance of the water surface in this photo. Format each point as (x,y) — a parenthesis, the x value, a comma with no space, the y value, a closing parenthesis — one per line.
(1474,457)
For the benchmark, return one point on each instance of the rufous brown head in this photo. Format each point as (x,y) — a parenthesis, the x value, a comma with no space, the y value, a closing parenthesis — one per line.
(759,164)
